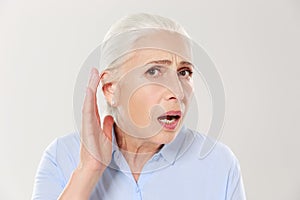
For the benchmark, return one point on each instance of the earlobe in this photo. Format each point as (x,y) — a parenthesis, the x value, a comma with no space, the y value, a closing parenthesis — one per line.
(113,103)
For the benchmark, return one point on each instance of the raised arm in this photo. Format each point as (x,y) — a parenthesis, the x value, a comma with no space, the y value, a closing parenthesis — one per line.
(95,148)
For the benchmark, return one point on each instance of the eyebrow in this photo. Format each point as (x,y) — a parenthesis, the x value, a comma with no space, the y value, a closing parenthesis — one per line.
(169,62)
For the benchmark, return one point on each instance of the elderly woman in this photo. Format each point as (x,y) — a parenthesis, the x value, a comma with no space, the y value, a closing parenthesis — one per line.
(141,150)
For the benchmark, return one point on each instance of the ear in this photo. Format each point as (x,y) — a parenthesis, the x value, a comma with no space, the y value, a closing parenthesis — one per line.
(109,88)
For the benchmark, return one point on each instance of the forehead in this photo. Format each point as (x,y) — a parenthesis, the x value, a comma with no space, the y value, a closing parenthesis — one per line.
(142,57)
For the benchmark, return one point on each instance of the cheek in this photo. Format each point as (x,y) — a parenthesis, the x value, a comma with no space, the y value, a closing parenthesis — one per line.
(141,102)
(188,89)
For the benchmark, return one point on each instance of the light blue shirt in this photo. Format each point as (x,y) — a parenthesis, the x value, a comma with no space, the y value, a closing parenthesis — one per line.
(175,172)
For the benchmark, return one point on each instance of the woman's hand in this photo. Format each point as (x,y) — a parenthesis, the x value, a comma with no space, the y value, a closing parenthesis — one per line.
(95,148)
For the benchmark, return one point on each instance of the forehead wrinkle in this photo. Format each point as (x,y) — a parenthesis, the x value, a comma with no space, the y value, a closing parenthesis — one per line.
(170,62)
(152,56)
(163,61)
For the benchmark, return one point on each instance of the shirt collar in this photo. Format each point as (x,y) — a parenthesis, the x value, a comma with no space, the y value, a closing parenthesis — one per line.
(173,150)
(170,152)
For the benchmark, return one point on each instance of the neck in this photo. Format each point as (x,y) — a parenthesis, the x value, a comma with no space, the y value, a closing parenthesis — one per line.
(134,145)
(135,150)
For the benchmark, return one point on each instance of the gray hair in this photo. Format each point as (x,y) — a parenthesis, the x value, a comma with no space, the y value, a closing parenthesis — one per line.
(131,23)
(141,21)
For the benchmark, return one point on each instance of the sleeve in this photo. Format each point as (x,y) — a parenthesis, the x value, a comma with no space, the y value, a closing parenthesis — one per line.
(49,180)
(235,186)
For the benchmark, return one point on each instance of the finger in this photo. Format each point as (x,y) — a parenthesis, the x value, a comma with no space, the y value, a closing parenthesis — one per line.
(94,80)
(97,112)
(94,83)
(88,109)
(88,114)
(107,126)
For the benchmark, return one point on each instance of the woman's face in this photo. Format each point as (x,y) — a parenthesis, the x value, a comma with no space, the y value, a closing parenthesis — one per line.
(152,79)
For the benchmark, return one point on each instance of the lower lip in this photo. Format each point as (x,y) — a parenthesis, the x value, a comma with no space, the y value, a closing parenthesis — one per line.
(170,126)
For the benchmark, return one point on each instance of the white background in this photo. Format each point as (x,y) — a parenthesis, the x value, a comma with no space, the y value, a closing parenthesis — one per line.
(255,45)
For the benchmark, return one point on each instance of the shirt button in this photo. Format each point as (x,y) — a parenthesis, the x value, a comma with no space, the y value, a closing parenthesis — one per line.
(137,190)
(156,157)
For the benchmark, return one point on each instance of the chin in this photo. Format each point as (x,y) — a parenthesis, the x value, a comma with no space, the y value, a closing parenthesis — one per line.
(165,136)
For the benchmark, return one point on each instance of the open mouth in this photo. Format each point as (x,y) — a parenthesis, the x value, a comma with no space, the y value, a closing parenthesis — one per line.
(170,119)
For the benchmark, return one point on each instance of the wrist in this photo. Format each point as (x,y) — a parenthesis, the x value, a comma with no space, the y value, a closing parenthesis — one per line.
(92,167)
(81,184)
(88,172)
(87,179)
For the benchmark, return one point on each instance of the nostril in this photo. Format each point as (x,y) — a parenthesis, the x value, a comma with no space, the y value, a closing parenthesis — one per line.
(175,97)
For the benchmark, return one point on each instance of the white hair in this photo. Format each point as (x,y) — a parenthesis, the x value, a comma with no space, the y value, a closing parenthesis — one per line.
(142,21)
(131,23)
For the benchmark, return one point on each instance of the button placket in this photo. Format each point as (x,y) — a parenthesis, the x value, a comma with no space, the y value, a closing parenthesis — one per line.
(138,192)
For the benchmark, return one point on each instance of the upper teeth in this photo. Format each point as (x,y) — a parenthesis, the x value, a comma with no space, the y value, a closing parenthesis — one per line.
(166,121)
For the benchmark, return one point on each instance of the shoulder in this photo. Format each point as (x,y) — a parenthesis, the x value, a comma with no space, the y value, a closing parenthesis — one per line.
(64,152)
(207,149)
(59,160)
(63,144)
(213,164)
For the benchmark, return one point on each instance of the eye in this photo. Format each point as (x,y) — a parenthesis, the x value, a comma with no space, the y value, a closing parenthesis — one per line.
(153,71)
(185,73)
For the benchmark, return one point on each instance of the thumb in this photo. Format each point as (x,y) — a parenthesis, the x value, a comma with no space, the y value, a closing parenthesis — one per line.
(107,126)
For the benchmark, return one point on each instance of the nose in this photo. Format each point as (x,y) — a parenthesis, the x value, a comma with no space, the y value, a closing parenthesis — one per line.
(174,89)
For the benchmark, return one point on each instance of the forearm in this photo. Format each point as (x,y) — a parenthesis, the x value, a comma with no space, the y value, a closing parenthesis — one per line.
(81,184)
